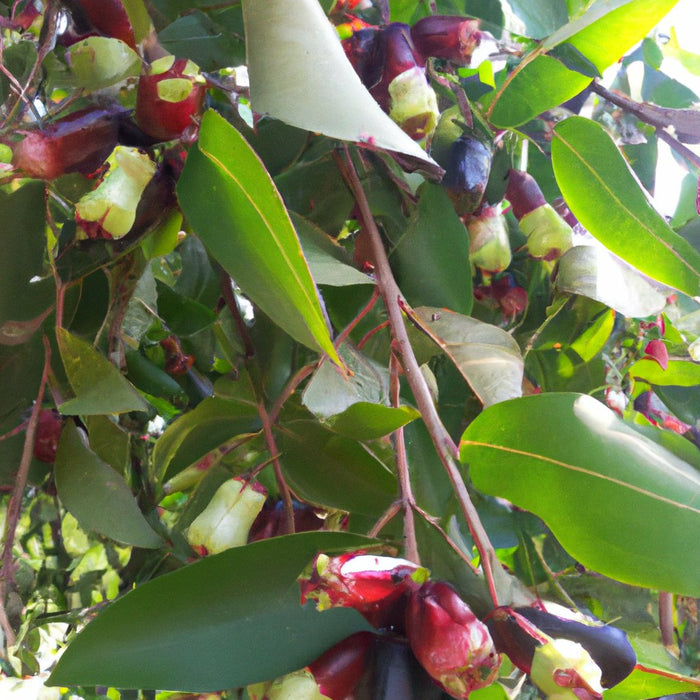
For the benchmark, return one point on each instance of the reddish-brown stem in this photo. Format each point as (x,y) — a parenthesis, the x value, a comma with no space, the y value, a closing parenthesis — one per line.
(363,312)
(666,618)
(408,502)
(387,516)
(289,389)
(442,440)
(15,503)
(369,334)
(285,493)
(433,522)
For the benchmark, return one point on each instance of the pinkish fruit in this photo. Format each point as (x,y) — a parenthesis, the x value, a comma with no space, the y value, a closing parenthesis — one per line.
(450,642)
(656,350)
(170,96)
(108,17)
(489,245)
(48,431)
(375,586)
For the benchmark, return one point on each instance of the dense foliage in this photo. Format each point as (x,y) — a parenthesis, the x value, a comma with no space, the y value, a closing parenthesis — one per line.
(268,300)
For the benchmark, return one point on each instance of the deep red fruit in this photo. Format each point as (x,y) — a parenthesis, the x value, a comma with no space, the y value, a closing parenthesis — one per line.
(48,430)
(448,37)
(523,193)
(338,670)
(169,96)
(80,142)
(450,642)
(108,17)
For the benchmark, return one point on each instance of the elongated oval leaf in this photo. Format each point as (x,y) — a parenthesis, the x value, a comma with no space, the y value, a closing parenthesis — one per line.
(617,501)
(225,621)
(98,385)
(595,273)
(367,421)
(677,373)
(538,86)
(487,357)
(242,221)
(605,197)
(300,74)
(609,29)
(96,495)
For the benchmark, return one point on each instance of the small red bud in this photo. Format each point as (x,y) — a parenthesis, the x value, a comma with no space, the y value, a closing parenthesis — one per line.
(656,350)
(443,36)
(48,431)
(450,642)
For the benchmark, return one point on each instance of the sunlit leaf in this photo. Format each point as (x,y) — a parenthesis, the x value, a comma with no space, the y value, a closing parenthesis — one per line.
(300,74)
(244,224)
(678,372)
(213,624)
(595,273)
(487,356)
(606,198)
(366,421)
(617,501)
(96,495)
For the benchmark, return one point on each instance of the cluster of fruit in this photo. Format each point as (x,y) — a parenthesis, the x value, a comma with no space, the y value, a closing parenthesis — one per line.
(427,643)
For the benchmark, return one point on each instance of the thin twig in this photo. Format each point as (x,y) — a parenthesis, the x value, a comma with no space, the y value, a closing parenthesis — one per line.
(289,389)
(687,121)
(444,444)
(351,326)
(15,504)
(666,618)
(408,502)
(386,517)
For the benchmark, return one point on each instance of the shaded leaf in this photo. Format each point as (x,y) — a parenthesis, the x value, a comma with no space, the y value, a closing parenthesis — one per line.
(431,261)
(487,357)
(617,501)
(197,432)
(244,224)
(328,261)
(535,18)
(96,495)
(310,83)
(98,385)
(595,273)
(213,624)
(337,473)
(604,196)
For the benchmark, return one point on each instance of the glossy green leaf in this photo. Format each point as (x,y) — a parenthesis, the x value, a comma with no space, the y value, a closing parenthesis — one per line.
(605,197)
(96,495)
(487,356)
(617,501)
(310,83)
(431,262)
(538,86)
(210,424)
(367,421)
(98,385)
(182,315)
(609,29)
(224,621)
(678,372)
(593,272)
(644,683)
(337,472)
(244,224)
